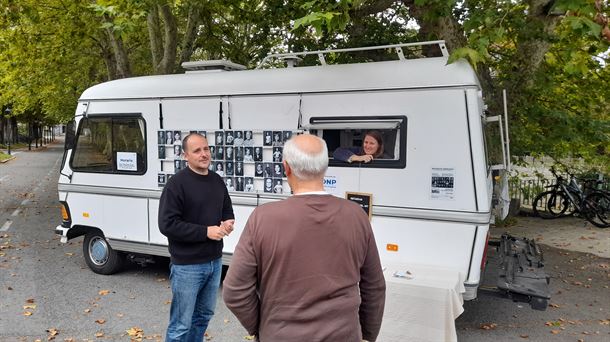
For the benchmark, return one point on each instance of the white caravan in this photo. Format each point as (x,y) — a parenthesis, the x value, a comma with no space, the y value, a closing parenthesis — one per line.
(430,202)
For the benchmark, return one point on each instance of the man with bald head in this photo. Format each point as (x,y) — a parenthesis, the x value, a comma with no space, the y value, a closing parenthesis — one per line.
(307,268)
(195,214)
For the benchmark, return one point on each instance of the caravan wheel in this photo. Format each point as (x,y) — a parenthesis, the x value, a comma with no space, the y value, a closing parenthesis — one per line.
(100,257)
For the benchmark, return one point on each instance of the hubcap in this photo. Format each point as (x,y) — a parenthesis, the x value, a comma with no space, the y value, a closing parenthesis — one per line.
(98,251)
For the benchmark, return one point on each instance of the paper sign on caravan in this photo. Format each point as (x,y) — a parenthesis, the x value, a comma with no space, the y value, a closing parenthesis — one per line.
(127,161)
(331,184)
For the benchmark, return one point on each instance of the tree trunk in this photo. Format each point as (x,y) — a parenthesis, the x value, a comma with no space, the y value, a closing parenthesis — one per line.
(170,43)
(190,35)
(123,68)
(154,35)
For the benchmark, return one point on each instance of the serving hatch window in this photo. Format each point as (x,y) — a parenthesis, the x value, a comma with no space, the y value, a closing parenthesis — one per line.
(348,133)
(110,145)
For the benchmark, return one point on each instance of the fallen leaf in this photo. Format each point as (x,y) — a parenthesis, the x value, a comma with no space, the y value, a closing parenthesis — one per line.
(29,307)
(103,292)
(135,332)
(249,338)
(29,300)
(120,315)
(99,334)
(100,321)
(87,310)
(554,305)
(226,321)
(70,339)
(27,313)
(69,254)
(161,279)
(524,336)
(488,326)
(555,332)
(167,302)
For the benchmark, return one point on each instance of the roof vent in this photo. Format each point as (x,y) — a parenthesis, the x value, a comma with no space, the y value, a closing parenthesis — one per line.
(292,60)
(214,65)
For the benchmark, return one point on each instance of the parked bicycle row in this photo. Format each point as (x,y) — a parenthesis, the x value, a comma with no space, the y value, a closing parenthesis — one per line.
(567,197)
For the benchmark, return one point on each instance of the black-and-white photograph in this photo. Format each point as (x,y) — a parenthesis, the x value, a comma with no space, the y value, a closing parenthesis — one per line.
(248,157)
(239,168)
(203,133)
(219,168)
(258,170)
(161,178)
(239,138)
(219,137)
(248,138)
(278,170)
(213,151)
(220,153)
(177,165)
(161,151)
(278,187)
(239,183)
(268,169)
(169,137)
(249,186)
(258,153)
(191,132)
(229,153)
(287,135)
(211,167)
(267,138)
(277,138)
(184,164)
(239,153)
(160,137)
(230,183)
(177,138)
(277,154)
(167,177)
(229,168)
(268,185)
(177,151)
(229,137)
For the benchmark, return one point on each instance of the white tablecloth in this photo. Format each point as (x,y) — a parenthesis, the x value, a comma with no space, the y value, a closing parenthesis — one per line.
(422,309)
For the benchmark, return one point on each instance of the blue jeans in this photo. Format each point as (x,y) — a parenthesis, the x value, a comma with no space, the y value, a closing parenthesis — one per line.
(194,290)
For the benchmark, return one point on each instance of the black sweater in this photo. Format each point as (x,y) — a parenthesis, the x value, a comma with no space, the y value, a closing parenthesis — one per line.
(191,202)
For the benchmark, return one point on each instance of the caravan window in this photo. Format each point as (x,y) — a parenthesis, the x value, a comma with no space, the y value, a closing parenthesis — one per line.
(349,132)
(110,145)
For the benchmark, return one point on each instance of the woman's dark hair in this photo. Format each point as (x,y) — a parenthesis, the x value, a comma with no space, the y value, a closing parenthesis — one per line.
(377,136)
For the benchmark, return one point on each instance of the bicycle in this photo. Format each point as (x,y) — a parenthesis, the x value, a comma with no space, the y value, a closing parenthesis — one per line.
(567,198)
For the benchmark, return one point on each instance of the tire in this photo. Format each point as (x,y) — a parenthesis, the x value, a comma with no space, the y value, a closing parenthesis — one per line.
(550,204)
(99,256)
(597,209)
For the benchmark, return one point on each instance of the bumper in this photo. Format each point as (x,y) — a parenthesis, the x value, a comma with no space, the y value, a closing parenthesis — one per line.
(63,232)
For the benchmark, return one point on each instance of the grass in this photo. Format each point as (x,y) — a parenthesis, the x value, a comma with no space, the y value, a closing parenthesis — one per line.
(14,146)
(4,156)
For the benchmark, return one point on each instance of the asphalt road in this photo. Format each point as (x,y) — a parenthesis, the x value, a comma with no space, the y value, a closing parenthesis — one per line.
(47,291)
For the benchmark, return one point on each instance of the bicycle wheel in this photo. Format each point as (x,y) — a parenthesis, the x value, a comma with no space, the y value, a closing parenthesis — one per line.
(597,209)
(550,204)
(558,204)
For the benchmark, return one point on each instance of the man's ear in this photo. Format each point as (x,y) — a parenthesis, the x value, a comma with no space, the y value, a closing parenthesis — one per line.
(287,168)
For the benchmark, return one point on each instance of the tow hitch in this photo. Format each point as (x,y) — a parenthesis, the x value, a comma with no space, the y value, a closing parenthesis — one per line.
(521,274)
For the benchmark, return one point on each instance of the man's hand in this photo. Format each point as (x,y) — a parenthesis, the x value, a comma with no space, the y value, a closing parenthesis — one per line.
(216,233)
(227,226)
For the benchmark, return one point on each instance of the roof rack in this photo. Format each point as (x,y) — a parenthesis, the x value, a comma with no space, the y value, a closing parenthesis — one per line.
(292,56)
(212,65)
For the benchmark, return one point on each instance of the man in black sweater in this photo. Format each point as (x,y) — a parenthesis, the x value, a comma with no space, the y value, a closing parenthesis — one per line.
(195,213)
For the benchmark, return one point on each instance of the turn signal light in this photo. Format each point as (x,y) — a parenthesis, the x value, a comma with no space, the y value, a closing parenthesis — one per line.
(392,247)
(64,213)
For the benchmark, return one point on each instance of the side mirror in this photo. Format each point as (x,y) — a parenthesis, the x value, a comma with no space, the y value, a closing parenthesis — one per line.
(70,135)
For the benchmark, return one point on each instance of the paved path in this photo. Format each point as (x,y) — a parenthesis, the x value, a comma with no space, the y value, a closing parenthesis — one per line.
(568,233)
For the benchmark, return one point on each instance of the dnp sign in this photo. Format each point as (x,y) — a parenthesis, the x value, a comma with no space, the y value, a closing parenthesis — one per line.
(330,184)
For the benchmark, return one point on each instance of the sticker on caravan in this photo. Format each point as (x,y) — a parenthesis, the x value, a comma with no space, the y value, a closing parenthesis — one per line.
(442,184)
(330,184)
(127,161)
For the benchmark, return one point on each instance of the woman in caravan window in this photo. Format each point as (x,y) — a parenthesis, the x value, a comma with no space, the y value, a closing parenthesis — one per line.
(372,148)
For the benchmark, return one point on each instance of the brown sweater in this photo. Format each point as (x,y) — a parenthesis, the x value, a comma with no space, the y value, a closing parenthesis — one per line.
(307,269)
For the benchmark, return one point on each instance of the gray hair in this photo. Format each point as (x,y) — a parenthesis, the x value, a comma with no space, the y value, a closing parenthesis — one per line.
(306,165)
